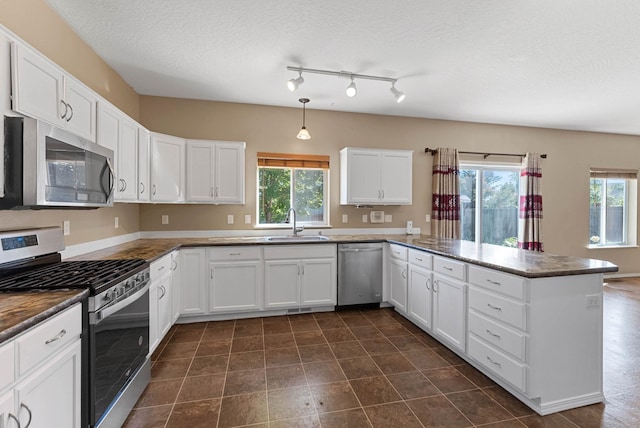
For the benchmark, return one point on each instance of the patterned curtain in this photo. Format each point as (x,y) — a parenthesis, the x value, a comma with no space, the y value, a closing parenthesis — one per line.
(530,212)
(445,209)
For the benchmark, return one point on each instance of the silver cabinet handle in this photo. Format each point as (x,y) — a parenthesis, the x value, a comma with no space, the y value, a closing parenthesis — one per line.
(436,286)
(141,187)
(174,266)
(497,308)
(404,274)
(57,337)
(497,336)
(70,108)
(160,268)
(10,416)
(215,193)
(447,268)
(66,109)
(125,184)
(28,411)
(427,283)
(382,194)
(495,363)
(164,291)
(234,254)
(211,192)
(493,282)
(120,186)
(154,189)
(419,259)
(302,266)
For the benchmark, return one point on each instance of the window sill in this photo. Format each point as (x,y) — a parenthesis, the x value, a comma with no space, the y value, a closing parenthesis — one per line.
(609,247)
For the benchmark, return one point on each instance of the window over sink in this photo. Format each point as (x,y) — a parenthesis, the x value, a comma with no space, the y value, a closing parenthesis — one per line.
(293,180)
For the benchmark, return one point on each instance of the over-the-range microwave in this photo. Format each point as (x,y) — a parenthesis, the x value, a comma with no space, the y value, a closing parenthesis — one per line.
(47,167)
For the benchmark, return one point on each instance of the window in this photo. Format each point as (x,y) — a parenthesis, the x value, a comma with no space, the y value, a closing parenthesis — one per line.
(297,181)
(489,204)
(612,212)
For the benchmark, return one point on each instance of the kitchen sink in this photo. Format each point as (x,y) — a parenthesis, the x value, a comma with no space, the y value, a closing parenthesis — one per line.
(299,238)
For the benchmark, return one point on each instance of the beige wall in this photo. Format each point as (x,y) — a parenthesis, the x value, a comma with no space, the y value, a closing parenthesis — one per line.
(35,23)
(565,171)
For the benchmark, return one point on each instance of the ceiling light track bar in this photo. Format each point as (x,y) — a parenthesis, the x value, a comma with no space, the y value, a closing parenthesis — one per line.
(345,74)
(486,154)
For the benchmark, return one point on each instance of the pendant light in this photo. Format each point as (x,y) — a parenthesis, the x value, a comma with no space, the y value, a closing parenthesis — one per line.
(303,134)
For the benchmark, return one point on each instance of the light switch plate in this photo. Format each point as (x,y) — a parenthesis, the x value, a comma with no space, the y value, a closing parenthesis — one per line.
(230,219)
(247,219)
(365,218)
(345,218)
(165,219)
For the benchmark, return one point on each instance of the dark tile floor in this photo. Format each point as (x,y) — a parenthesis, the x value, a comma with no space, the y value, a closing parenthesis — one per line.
(362,369)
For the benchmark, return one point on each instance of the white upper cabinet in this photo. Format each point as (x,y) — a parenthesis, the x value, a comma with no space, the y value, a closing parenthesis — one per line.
(215,171)
(44,91)
(374,176)
(167,168)
(120,133)
(144,141)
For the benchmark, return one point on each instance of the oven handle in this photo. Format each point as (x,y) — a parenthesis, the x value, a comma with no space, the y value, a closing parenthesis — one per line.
(115,307)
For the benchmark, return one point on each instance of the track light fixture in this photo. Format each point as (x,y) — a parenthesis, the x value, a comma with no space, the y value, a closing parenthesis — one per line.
(293,84)
(303,134)
(351,90)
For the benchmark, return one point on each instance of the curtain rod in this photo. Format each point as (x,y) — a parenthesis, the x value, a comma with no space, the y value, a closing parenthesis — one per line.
(486,154)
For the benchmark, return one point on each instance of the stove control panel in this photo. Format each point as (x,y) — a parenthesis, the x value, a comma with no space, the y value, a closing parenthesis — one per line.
(123,289)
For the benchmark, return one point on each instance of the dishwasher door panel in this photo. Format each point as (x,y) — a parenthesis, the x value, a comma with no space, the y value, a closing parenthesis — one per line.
(359,274)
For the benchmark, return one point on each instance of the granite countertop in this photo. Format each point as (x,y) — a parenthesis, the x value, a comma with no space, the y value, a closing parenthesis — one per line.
(528,264)
(22,310)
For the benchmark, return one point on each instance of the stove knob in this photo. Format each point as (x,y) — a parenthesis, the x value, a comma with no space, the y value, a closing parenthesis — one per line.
(108,296)
(119,291)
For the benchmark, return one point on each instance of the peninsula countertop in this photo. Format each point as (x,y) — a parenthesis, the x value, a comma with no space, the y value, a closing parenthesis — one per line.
(524,263)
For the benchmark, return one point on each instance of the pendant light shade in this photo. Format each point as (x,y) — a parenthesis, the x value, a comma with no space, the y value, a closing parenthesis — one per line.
(303,134)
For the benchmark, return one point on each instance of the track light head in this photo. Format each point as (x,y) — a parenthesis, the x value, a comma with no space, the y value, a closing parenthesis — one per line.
(399,95)
(293,84)
(351,89)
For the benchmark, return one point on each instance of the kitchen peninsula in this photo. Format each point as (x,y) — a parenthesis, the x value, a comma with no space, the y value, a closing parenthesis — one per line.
(532,322)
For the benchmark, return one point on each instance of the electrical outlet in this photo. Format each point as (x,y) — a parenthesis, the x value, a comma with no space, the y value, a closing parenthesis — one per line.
(593,301)
(165,219)
(365,218)
(230,219)
(345,218)
(427,218)
(66,227)
(388,218)
(247,219)
(116,223)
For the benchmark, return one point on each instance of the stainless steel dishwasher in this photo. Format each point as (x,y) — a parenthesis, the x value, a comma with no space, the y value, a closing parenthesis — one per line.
(359,273)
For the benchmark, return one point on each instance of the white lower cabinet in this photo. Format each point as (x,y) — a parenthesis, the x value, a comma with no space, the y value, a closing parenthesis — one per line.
(176,281)
(193,281)
(420,297)
(398,277)
(160,300)
(300,276)
(449,310)
(47,374)
(235,282)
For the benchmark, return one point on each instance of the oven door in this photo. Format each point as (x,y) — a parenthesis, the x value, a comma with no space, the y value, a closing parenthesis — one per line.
(118,348)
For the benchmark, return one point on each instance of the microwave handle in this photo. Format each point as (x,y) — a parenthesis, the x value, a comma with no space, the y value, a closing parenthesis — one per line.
(112,178)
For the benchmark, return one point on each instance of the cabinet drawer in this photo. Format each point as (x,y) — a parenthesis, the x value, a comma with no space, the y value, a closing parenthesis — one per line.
(420,258)
(300,251)
(7,370)
(510,285)
(234,253)
(500,308)
(495,361)
(501,337)
(449,267)
(39,343)
(398,251)
(160,267)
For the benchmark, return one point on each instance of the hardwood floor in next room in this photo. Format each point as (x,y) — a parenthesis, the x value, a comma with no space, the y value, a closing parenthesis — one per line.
(362,369)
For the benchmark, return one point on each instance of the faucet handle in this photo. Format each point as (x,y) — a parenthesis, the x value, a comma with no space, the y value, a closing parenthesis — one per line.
(299,229)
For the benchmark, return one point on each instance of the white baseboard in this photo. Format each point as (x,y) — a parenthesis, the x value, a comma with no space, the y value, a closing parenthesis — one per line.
(87,247)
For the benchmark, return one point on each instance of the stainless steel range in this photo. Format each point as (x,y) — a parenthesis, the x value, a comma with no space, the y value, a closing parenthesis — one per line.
(116,331)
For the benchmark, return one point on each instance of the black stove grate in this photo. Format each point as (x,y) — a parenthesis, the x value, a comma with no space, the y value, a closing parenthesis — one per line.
(92,274)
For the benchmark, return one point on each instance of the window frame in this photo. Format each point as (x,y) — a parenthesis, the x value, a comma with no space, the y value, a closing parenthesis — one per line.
(629,228)
(481,167)
(292,169)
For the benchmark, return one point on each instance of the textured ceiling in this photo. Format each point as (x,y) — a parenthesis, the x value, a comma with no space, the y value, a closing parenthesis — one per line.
(569,64)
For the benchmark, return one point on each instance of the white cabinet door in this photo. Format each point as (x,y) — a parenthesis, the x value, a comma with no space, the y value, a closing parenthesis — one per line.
(50,396)
(167,168)
(396,177)
(81,114)
(235,286)
(419,300)
(318,282)
(154,319)
(8,417)
(176,282)
(229,173)
(165,305)
(193,281)
(359,177)
(398,285)
(281,283)
(43,91)
(38,86)
(200,160)
(144,140)
(127,166)
(449,310)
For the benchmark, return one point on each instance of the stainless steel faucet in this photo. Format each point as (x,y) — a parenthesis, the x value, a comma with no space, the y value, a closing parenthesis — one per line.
(295,229)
